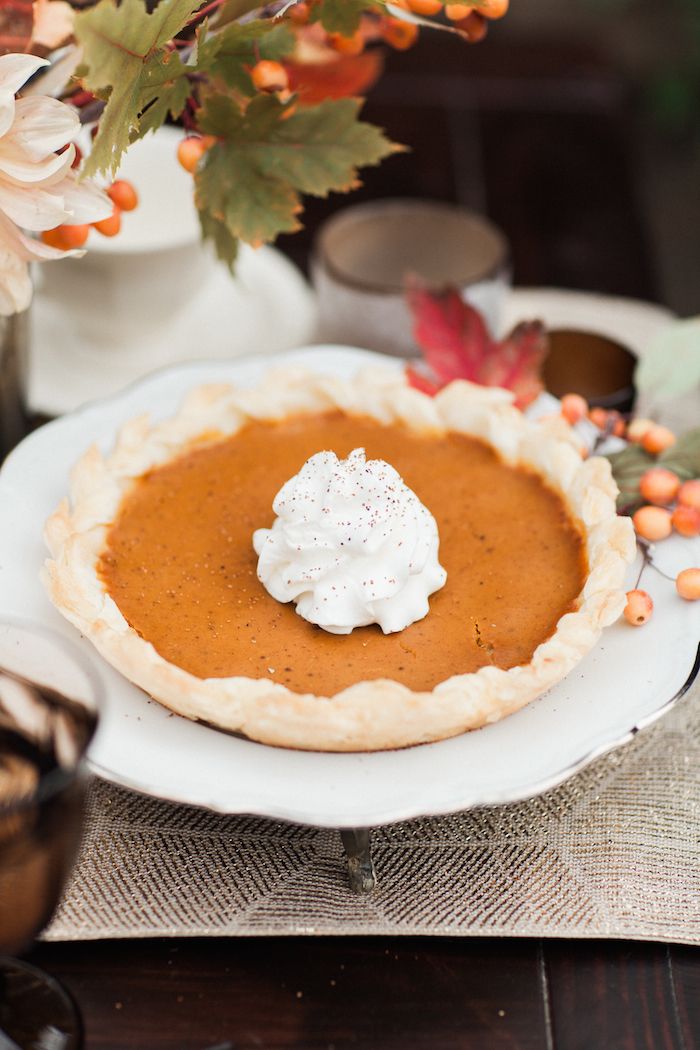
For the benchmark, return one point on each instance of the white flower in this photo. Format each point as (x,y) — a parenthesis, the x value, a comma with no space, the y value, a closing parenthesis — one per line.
(38,188)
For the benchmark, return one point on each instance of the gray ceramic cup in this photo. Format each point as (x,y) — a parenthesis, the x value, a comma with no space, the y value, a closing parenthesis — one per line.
(364,255)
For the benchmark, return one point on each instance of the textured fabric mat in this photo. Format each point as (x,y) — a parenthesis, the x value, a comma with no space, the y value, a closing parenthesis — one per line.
(614,852)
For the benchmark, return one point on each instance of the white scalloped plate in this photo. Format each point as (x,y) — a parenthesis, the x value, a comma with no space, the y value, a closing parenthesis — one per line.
(625,683)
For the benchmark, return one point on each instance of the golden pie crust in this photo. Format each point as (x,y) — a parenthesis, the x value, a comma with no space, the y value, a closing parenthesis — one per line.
(367,715)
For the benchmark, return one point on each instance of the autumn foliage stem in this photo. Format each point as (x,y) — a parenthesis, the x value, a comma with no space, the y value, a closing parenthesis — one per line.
(645,550)
(205,11)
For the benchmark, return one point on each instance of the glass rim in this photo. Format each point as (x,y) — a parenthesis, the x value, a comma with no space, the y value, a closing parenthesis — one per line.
(366,210)
(54,781)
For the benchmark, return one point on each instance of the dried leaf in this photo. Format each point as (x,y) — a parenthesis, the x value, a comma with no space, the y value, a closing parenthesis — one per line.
(456,344)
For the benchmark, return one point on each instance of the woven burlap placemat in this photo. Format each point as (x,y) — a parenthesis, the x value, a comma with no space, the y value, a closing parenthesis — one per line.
(614,852)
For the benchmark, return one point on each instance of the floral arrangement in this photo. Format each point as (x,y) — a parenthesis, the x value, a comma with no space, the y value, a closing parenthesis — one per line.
(657,472)
(268,96)
(39,188)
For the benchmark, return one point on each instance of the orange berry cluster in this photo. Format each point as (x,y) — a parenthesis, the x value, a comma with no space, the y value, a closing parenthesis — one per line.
(658,518)
(671,504)
(470,19)
(394,31)
(66,238)
(651,436)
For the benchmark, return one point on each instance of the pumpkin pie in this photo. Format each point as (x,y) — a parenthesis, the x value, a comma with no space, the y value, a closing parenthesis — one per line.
(152,559)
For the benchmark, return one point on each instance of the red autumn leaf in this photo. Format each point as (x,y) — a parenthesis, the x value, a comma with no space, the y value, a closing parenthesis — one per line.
(16,23)
(456,344)
(341,76)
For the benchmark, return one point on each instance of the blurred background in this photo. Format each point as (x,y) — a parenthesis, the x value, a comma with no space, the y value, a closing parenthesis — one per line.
(575,125)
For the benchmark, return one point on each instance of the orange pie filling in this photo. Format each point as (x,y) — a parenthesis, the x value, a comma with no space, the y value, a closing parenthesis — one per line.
(179,560)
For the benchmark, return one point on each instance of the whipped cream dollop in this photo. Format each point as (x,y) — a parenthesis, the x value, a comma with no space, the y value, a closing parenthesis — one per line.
(352,545)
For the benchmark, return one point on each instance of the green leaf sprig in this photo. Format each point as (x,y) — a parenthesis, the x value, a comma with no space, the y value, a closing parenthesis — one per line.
(151,67)
(631,463)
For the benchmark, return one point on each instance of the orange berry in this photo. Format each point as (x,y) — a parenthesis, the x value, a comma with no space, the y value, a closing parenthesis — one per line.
(76,236)
(615,423)
(686,520)
(123,194)
(190,151)
(659,485)
(639,607)
(574,408)
(658,439)
(54,238)
(638,428)
(599,417)
(269,76)
(66,238)
(652,523)
(399,34)
(425,8)
(456,12)
(347,45)
(110,226)
(688,584)
(494,8)
(474,26)
(609,421)
(689,493)
(300,13)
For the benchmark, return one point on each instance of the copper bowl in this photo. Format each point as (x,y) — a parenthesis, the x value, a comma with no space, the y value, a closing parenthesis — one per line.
(593,365)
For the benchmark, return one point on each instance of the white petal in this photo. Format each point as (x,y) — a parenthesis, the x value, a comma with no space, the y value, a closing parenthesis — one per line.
(7,111)
(53,80)
(15,284)
(28,248)
(42,125)
(16,166)
(15,69)
(83,201)
(32,208)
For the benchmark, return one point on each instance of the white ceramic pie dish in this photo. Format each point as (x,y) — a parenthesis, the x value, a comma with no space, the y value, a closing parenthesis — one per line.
(624,683)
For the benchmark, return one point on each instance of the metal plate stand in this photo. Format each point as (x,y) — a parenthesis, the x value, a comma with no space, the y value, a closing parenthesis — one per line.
(357,846)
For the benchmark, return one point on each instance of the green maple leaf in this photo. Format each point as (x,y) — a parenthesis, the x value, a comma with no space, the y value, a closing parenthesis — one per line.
(164,93)
(224,241)
(251,180)
(124,49)
(234,9)
(229,53)
(342,16)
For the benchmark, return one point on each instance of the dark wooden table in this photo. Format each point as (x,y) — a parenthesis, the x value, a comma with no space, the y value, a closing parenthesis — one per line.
(541,138)
(381,994)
